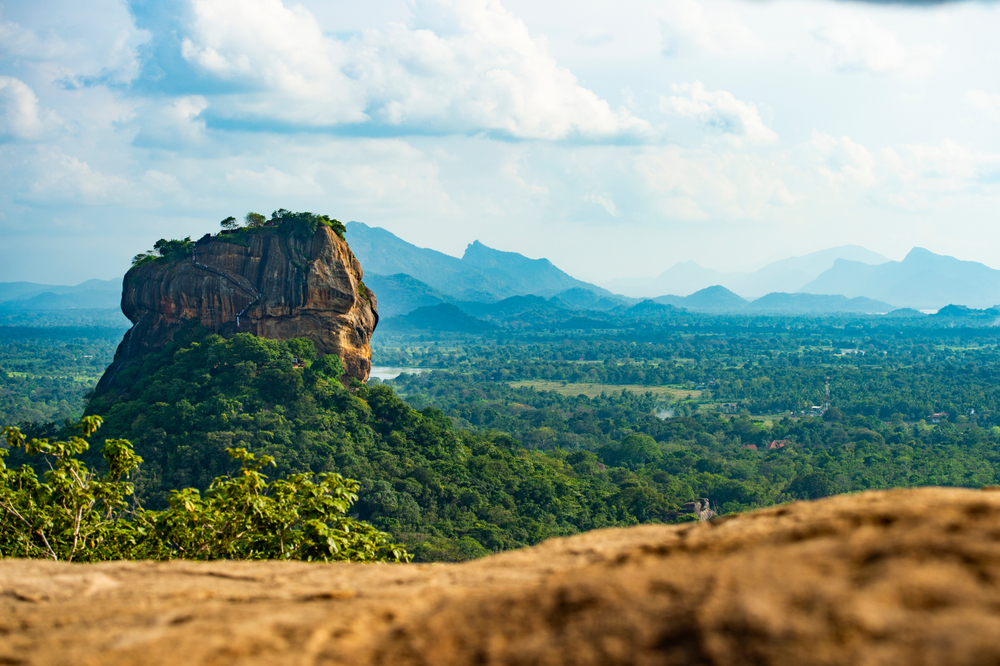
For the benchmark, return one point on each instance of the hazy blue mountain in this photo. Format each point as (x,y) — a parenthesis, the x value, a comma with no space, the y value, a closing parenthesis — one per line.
(12,290)
(399,294)
(75,301)
(923,280)
(583,299)
(384,253)
(650,309)
(817,304)
(525,310)
(786,275)
(482,274)
(710,299)
(904,313)
(444,317)
(92,294)
(684,277)
(961,311)
(524,275)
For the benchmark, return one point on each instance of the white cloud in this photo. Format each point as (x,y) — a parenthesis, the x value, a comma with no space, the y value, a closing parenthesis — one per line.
(463,67)
(19,41)
(858,44)
(172,123)
(909,176)
(604,201)
(700,184)
(275,181)
(77,42)
(719,110)
(986,102)
(512,169)
(20,115)
(692,27)
(843,160)
(60,178)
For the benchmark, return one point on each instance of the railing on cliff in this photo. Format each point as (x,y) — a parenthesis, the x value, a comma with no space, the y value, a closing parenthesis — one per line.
(237,280)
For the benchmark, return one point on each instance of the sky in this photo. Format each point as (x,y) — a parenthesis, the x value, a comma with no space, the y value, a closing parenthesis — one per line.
(615,139)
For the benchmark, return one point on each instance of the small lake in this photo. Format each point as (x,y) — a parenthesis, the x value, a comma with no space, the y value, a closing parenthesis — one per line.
(385,372)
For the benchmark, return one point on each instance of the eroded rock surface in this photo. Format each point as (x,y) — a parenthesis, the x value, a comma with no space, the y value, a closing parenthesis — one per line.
(880,578)
(277,286)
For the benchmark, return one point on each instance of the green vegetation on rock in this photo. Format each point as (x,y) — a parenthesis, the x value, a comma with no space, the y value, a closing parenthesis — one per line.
(446,494)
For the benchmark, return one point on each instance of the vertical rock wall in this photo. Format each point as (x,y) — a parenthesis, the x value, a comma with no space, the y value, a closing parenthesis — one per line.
(276,286)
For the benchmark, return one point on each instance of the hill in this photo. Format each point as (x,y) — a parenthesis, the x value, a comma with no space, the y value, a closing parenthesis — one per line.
(399,294)
(817,304)
(481,275)
(962,312)
(923,280)
(785,275)
(447,494)
(441,318)
(29,296)
(586,299)
(709,299)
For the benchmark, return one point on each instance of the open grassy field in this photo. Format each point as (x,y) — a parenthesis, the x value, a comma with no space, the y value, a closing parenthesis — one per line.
(592,390)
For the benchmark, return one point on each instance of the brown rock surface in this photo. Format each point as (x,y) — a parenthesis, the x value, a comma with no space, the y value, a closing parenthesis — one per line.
(898,577)
(279,286)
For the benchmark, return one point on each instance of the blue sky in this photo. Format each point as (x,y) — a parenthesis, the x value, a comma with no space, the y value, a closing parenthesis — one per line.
(613,138)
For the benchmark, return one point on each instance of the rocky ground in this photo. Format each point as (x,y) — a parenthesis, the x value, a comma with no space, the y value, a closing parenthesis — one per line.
(901,577)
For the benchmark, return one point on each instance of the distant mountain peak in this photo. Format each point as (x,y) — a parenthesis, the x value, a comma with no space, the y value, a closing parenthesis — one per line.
(482,274)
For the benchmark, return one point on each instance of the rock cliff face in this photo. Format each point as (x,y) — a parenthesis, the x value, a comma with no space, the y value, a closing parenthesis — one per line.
(276,286)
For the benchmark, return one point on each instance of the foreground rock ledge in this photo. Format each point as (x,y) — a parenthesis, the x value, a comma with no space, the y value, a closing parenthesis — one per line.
(899,577)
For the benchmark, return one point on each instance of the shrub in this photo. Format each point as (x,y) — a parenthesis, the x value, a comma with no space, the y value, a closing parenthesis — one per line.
(76,514)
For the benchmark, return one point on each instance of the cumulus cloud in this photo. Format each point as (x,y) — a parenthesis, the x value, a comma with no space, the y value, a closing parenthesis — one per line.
(605,201)
(172,123)
(57,177)
(80,43)
(858,44)
(908,176)
(843,160)
(20,115)
(460,67)
(718,110)
(691,27)
(700,184)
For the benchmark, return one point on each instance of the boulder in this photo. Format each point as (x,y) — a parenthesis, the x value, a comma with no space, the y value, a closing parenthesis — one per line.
(877,578)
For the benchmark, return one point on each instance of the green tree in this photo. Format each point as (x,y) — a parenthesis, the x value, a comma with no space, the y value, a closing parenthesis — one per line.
(255,220)
(229,223)
(76,514)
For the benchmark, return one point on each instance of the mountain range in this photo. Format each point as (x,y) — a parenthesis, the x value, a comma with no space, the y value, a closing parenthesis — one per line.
(922,280)
(787,275)
(482,274)
(92,294)
(406,277)
(720,299)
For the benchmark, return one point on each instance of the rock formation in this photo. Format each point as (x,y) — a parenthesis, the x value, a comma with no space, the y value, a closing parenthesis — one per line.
(873,579)
(274,285)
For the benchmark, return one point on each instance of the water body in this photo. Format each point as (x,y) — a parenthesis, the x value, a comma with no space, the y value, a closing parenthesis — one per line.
(385,372)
